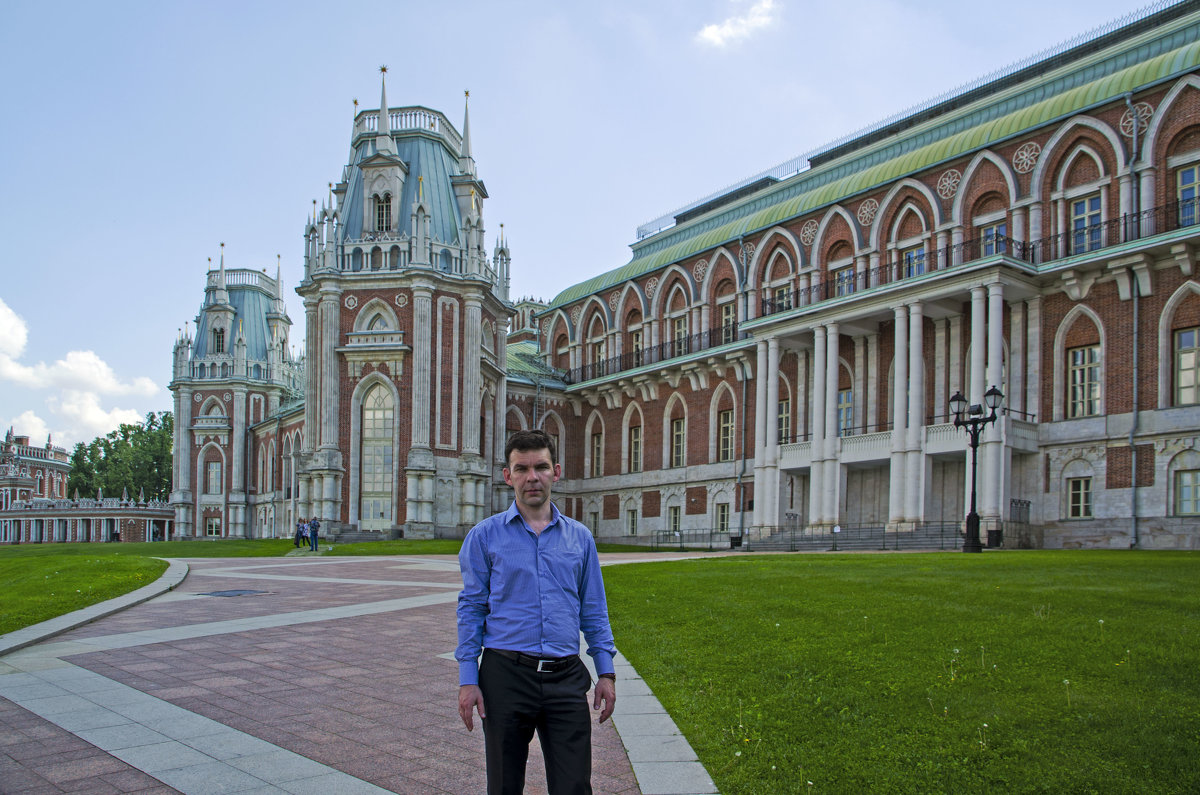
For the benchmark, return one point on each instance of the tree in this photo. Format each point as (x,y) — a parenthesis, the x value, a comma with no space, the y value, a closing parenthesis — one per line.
(133,458)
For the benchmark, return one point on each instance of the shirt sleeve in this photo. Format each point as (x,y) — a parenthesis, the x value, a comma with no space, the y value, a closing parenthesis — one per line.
(593,614)
(472,606)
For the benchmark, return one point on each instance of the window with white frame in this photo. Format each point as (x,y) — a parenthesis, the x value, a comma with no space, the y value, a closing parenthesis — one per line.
(678,442)
(383,213)
(1079,498)
(1084,381)
(1187,492)
(725,435)
(843,280)
(631,521)
(635,448)
(597,462)
(594,521)
(1187,367)
(376,465)
(993,239)
(218,337)
(1187,180)
(722,517)
(784,421)
(679,332)
(212,478)
(673,519)
(783,298)
(913,261)
(845,412)
(1085,223)
(635,346)
(728,321)
(212,526)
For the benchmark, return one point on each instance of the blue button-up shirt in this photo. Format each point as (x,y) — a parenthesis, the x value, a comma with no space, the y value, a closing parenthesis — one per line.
(531,593)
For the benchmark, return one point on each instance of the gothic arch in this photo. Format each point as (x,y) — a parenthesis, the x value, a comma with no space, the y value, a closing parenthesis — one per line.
(1156,129)
(1079,311)
(719,395)
(595,420)
(931,214)
(632,417)
(766,250)
(213,407)
(511,412)
(355,472)
(959,207)
(716,264)
(1166,346)
(856,241)
(376,307)
(1049,160)
(667,280)
(674,400)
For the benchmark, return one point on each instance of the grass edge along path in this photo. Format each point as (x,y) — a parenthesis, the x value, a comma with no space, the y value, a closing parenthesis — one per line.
(1006,672)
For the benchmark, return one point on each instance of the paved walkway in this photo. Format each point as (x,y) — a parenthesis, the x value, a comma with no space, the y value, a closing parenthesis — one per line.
(299,675)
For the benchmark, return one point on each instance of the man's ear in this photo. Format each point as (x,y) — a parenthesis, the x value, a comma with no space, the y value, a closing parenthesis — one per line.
(508,476)
(557,472)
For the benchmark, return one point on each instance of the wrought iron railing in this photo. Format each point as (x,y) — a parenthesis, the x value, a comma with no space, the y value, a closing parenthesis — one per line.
(671,349)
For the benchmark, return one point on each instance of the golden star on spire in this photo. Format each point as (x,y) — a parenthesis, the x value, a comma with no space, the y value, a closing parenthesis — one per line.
(383,69)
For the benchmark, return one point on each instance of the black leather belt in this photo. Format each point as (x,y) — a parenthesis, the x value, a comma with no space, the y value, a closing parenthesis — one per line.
(544,665)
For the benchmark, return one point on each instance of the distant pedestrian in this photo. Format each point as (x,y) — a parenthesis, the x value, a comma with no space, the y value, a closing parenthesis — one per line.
(313,527)
(300,532)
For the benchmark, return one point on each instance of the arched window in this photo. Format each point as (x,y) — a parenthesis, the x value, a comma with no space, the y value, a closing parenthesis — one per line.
(218,337)
(383,212)
(375,506)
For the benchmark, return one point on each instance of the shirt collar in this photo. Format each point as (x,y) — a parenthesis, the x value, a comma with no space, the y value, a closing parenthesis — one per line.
(512,514)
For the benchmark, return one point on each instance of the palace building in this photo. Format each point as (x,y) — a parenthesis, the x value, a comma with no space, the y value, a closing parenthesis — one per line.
(779,356)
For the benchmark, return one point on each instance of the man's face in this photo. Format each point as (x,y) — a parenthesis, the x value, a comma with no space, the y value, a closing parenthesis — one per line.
(530,473)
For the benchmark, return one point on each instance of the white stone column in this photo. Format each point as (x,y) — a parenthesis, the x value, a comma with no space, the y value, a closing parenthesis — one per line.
(816,479)
(899,410)
(914,468)
(472,379)
(993,494)
(872,418)
(1015,395)
(771,469)
(954,365)
(803,367)
(1033,346)
(832,466)
(422,360)
(330,318)
(860,382)
(978,344)
(760,434)
(940,398)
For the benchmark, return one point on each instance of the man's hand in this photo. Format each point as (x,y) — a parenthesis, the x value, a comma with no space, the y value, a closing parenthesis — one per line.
(606,692)
(471,697)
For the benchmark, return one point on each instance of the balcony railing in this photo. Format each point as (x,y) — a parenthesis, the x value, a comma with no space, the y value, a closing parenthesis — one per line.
(671,349)
(1127,228)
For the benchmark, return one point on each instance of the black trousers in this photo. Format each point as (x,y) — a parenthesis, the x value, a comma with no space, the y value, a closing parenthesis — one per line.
(519,700)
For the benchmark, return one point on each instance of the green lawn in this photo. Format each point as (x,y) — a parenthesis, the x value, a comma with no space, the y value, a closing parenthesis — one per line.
(1057,672)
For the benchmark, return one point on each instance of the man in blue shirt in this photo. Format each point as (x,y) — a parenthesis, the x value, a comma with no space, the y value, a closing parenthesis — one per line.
(531,584)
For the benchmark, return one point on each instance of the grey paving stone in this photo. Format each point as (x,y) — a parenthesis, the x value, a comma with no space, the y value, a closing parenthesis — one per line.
(212,778)
(170,755)
(329,783)
(673,778)
(637,725)
(91,717)
(278,766)
(637,705)
(128,735)
(184,726)
(53,705)
(661,749)
(225,743)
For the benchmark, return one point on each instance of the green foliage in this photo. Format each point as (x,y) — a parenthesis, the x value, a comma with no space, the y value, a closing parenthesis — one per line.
(41,582)
(133,457)
(1003,672)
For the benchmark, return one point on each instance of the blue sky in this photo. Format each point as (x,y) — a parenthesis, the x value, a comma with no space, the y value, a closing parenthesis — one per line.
(138,136)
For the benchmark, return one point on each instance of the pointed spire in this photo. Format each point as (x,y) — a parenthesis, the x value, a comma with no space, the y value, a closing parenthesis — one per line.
(466,146)
(383,137)
(222,274)
(142,494)
(278,277)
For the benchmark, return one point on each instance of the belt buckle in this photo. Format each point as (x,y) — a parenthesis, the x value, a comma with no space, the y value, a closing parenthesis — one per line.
(542,670)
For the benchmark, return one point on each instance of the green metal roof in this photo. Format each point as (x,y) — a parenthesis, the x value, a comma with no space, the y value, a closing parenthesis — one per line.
(1103,78)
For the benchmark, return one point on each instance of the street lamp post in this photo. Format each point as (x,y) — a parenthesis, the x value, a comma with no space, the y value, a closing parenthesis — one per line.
(974,422)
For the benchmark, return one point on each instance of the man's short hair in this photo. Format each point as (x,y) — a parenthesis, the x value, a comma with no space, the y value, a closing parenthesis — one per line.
(528,441)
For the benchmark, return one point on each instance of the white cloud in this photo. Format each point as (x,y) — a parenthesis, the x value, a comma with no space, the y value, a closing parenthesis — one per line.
(736,28)
(69,389)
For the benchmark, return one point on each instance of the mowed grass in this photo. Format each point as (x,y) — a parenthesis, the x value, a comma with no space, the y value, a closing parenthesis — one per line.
(1057,672)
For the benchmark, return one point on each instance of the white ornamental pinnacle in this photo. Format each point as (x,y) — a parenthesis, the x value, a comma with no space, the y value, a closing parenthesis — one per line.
(1026,157)
(401,299)
(808,232)
(948,183)
(350,302)
(700,269)
(1144,111)
(651,286)
(614,299)
(866,212)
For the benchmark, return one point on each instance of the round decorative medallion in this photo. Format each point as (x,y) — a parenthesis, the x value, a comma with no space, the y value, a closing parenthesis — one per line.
(749,248)
(948,183)
(866,212)
(614,299)
(1026,157)
(351,301)
(575,313)
(228,397)
(700,269)
(197,397)
(401,299)
(1144,111)
(808,232)
(651,286)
